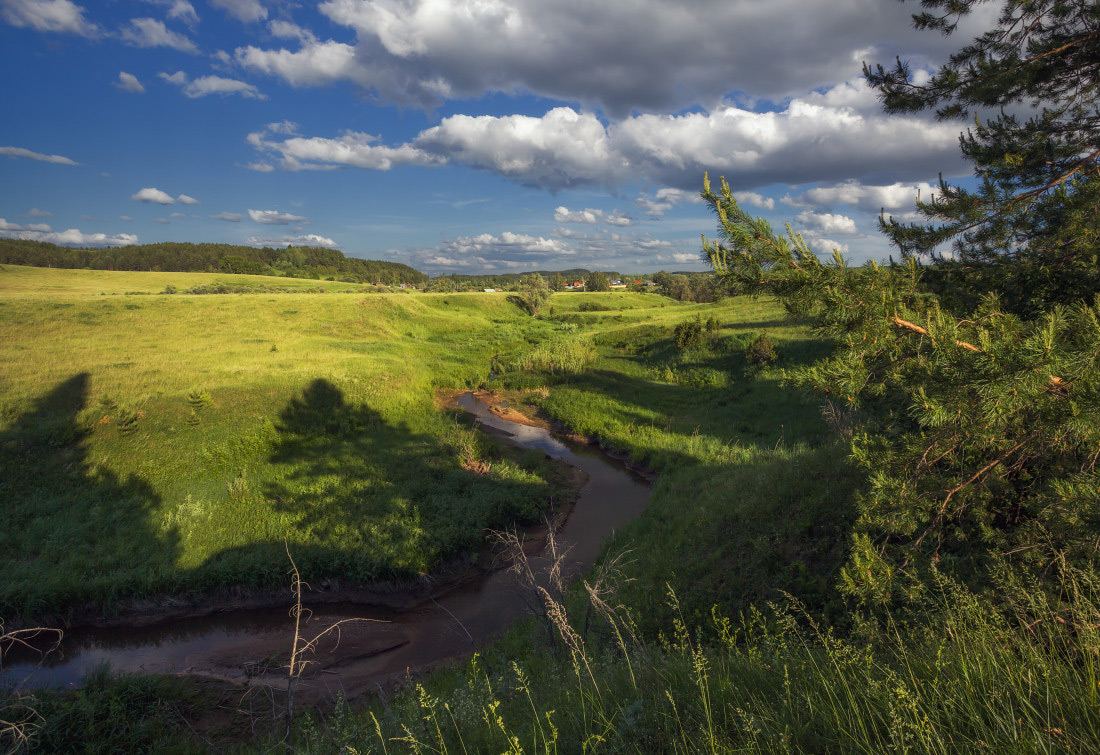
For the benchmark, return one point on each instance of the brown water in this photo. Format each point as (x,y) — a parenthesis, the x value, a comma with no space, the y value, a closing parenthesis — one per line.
(240,645)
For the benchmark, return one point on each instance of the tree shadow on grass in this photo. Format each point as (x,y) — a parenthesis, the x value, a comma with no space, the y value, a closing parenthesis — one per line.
(72,531)
(366,499)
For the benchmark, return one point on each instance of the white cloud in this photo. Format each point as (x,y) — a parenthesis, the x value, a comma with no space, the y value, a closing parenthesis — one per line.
(641,55)
(579,245)
(274,217)
(310,239)
(184,199)
(618,218)
(178,215)
(129,83)
(316,63)
(870,198)
(60,16)
(20,152)
(507,251)
(179,78)
(127,218)
(34,212)
(70,237)
(230,217)
(664,200)
(564,215)
(562,149)
(590,217)
(178,10)
(826,222)
(242,10)
(153,196)
(148,32)
(183,11)
(822,245)
(352,149)
(753,199)
(828,136)
(207,85)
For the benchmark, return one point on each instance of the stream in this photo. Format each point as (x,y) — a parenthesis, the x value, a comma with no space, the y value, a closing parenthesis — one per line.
(383,643)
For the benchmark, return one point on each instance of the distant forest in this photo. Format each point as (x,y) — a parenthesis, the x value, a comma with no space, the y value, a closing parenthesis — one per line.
(292,262)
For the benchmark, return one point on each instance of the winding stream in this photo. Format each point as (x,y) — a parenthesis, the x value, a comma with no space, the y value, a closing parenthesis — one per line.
(240,645)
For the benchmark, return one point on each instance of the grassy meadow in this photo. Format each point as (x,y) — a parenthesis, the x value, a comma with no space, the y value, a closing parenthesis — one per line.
(170,443)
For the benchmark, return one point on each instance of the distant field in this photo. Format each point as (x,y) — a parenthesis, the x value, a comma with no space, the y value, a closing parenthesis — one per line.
(18,280)
(168,443)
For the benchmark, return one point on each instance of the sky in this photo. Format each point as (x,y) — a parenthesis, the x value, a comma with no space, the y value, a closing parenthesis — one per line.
(462,136)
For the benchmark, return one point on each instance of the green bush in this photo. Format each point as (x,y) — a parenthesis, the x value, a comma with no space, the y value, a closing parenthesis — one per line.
(689,334)
(761,352)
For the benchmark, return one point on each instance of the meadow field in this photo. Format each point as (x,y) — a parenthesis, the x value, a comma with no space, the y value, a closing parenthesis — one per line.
(159,443)
(156,444)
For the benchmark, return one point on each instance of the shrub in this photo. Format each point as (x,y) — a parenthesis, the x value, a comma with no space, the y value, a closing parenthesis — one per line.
(761,352)
(689,334)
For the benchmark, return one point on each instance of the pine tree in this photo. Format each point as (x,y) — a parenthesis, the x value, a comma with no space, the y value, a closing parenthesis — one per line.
(979,422)
(1029,231)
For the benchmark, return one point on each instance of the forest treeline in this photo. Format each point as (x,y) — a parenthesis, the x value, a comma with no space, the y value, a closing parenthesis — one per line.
(180,257)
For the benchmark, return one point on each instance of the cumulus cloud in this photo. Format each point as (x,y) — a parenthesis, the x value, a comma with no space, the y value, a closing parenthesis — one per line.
(184,199)
(822,137)
(207,85)
(591,217)
(274,217)
(870,198)
(152,195)
(34,212)
(183,11)
(826,222)
(20,152)
(242,10)
(149,32)
(70,237)
(310,239)
(664,200)
(423,52)
(753,199)
(59,16)
(127,82)
(507,251)
(577,245)
(564,215)
(178,10)
(230,217)
(352,149)
(823,245)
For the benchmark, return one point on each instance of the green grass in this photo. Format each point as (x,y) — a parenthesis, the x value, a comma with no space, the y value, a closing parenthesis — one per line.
(17,281)
(961,678)
(170,443)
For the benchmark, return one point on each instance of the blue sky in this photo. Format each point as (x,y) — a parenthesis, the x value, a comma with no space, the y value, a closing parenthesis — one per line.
(459,135)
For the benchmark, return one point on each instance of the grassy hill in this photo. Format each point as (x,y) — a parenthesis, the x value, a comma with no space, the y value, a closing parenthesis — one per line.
(169,443)
(162,443)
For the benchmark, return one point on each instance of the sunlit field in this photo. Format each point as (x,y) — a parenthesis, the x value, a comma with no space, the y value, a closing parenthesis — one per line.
(165,443)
